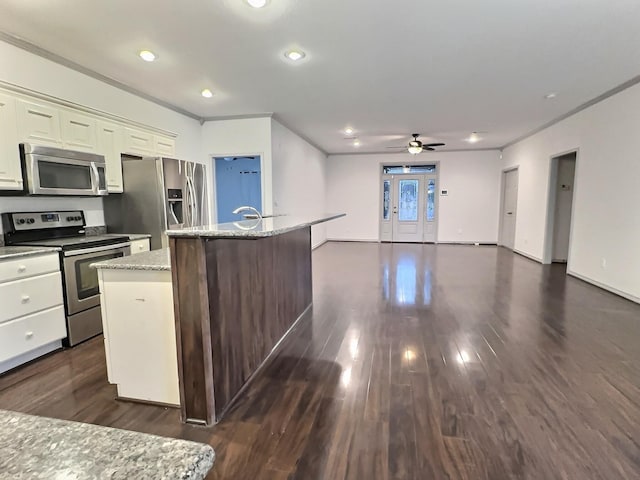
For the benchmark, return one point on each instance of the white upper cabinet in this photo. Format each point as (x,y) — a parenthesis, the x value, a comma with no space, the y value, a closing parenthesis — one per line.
(38,123)
(110,145)
(165,146)
(138,142)
(79,132)
(10,171)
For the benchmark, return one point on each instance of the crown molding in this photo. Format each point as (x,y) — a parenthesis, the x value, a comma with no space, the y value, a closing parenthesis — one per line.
(65,62)
(609,93)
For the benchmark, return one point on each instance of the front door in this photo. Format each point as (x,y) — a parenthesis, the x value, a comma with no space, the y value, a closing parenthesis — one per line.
(408,212)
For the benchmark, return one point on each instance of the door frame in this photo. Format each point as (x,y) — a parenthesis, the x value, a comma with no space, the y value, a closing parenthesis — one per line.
(213,200)
(503,185)
(551,204)
(408,164)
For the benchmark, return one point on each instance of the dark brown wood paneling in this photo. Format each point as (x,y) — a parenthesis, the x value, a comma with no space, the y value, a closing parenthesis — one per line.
(253,291)
(191,306)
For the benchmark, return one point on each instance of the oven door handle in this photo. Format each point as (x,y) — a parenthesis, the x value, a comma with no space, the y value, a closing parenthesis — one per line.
(83,251)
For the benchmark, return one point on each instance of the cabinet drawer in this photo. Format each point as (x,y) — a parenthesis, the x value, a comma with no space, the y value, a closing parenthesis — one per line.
(23,297)
(24,334)
(139,246)
(23,267)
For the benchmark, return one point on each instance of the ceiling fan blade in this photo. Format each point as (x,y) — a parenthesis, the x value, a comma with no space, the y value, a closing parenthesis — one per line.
(428,148)
(433,145)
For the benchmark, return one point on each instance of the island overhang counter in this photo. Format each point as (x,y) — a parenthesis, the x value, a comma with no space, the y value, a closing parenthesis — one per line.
(238,289)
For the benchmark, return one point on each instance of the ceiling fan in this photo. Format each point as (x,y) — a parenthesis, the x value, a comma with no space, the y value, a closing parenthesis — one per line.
(416,146)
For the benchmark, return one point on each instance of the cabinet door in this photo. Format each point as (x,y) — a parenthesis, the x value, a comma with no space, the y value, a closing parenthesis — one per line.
(10,171)
(138,142)
(110,145)
(38,123)
(79,132)
(165,146)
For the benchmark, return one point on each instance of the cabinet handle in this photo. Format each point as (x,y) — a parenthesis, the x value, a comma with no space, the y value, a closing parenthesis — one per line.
(28,335)
(25,298)
(22,268)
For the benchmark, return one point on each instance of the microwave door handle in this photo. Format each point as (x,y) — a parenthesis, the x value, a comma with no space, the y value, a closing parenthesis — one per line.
(95,179)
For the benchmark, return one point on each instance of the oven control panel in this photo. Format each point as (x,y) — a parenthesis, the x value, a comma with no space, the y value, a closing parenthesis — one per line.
(46,220)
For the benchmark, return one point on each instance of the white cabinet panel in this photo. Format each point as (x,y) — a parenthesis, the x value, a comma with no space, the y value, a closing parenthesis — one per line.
(27,333)
(28,267)
(38,123)
(138,142)
(24,297)
(139,246)
(79,132)
(110,145)
(10,172)
(165,146)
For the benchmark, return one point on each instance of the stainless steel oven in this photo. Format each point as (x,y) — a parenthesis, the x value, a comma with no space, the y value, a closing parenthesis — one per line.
(56,171)
(81,281)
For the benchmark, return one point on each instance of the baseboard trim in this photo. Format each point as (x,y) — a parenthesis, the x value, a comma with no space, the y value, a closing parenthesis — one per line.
(526,255)
(478,244)
(601,285)
(353,240)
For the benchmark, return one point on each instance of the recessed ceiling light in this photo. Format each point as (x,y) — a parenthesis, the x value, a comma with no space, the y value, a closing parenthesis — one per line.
(257,3)
(356,143)
(147,56)
(551,95)
(294,55)
(206,93)
(348,131)
(473,138)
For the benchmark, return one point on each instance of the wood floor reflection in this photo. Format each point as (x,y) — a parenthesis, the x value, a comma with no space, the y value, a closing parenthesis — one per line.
(417,362)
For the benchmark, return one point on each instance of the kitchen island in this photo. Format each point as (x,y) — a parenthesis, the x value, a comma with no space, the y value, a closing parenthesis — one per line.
(238,289)
(45,448)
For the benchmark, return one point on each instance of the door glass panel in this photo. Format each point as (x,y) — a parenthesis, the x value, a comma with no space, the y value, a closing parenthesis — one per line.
(386,199)
(408,201)
(431,200)
(61,175)
(87,278)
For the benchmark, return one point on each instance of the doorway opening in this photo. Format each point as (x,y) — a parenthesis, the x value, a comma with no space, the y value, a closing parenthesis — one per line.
(409,207)
(560,208)
(238,183)
(509,208)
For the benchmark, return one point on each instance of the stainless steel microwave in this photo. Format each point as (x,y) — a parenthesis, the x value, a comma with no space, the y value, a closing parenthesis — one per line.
(56,171)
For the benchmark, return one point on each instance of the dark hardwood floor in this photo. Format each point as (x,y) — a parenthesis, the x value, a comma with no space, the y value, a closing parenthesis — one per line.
(417,362)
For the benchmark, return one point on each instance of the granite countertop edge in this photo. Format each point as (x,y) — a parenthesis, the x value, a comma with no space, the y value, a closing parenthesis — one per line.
(243,229)
(154,260)
(10,252)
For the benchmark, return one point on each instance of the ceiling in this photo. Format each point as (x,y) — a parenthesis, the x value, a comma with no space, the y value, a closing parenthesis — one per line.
(387,69)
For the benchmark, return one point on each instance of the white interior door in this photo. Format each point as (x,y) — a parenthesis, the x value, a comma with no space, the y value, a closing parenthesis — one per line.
(509,209)
(408,208)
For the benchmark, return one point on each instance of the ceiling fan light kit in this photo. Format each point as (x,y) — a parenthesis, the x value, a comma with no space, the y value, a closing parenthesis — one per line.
(416,146)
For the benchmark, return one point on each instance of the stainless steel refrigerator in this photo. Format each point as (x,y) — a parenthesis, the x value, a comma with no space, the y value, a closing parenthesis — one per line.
(159,194)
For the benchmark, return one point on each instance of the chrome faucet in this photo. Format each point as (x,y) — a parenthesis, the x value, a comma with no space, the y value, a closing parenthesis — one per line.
(256,214)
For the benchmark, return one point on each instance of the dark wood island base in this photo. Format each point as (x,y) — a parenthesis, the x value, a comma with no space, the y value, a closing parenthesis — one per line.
(234,300)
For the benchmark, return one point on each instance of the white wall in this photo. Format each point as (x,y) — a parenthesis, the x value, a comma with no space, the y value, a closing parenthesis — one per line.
(605,224)
(299,178)
(468,214)
(240,137)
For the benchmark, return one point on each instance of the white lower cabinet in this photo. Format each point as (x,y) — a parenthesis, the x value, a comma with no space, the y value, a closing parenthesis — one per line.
(32,317)
(139,334)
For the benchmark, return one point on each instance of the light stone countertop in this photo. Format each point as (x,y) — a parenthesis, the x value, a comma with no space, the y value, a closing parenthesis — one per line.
(267,227)
(158,260)
(9,253)
(39,448)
